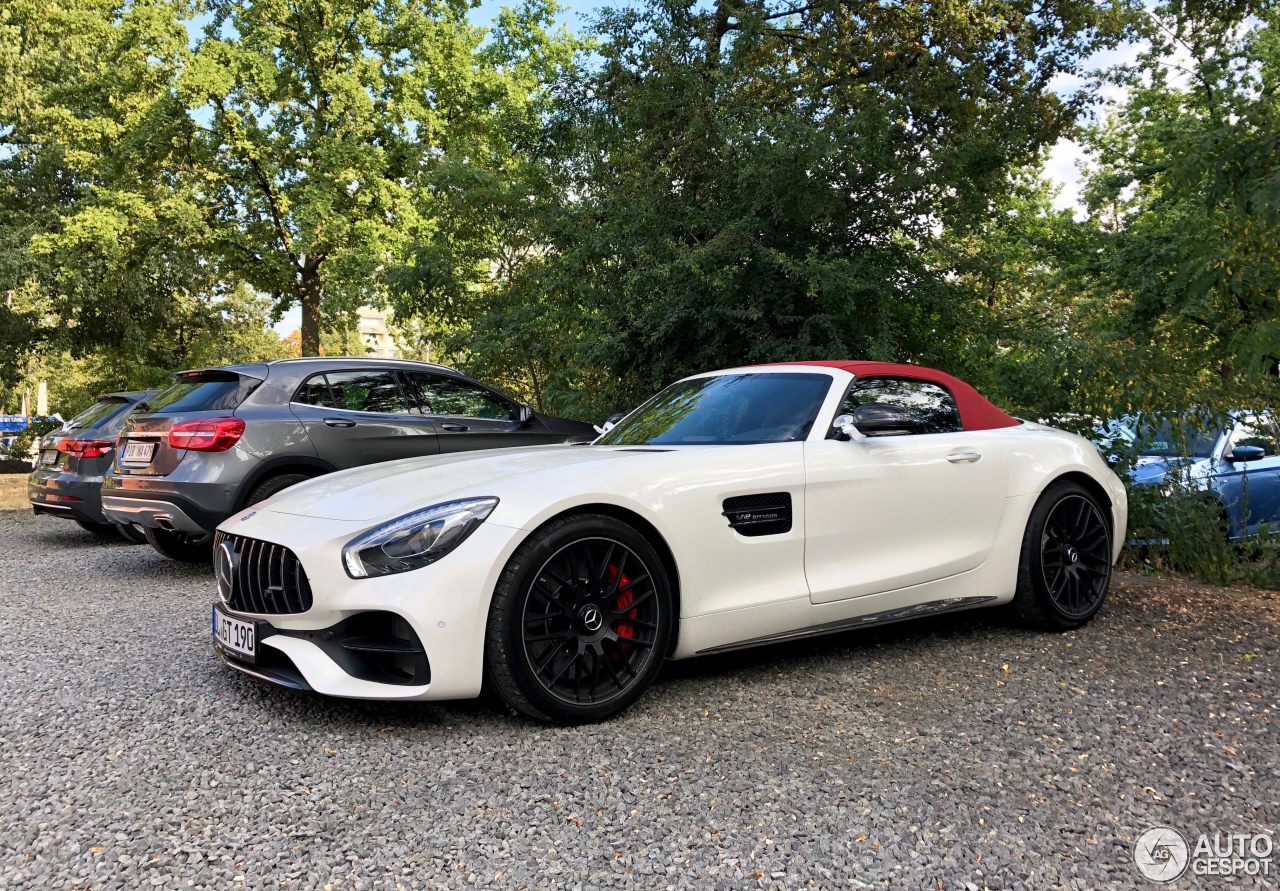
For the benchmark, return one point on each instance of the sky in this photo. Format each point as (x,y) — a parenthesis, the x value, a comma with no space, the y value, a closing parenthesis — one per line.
(1062,165)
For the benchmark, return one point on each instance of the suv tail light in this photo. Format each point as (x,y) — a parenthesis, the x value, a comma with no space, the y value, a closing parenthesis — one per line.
(212,435)
(85,448)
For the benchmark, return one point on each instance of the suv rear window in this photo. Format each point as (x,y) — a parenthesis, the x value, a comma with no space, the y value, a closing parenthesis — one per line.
(206,392)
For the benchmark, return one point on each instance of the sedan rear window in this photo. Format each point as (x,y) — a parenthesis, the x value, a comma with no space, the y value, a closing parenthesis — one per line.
(206,392)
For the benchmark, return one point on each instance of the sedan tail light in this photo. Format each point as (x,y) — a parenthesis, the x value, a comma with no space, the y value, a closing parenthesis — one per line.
(210,435)
(85,448)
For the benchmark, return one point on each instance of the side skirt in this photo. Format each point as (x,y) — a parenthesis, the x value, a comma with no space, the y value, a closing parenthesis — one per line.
(932,607)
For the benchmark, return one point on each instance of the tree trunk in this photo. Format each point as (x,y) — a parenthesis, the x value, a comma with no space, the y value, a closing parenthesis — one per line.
(312,294)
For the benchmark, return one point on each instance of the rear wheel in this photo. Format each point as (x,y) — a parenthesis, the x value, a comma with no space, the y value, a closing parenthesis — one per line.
(580,621)
(131,533)
(1065,568)
(105,531)
(181,546)
(267,488)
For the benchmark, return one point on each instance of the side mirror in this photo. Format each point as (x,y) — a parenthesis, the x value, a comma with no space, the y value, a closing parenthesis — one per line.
(522,414)
(881,419)
(846,430)
(608,425)
(1247,453)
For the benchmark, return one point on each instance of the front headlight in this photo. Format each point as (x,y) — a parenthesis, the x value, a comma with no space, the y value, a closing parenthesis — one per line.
(415,540)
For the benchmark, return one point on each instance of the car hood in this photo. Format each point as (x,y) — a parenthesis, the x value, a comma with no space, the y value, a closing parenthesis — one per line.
(1152,470)
(393,488)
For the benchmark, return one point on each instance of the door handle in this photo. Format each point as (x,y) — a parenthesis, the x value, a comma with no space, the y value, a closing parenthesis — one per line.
(339,422)
(455,428)
(964,457)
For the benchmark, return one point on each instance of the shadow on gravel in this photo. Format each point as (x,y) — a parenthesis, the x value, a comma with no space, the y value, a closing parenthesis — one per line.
(66,534)
(482,715)
(793,655)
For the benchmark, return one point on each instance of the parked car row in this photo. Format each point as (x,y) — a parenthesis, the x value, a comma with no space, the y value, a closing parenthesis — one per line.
(373,538)
(1233,462)
(167,467)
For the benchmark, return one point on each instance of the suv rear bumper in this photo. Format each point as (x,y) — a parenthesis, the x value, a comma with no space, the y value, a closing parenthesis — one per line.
(47,489)
(155,511)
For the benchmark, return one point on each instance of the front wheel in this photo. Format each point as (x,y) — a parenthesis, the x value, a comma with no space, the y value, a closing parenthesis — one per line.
(1065,566)
(180,546)
(580,622)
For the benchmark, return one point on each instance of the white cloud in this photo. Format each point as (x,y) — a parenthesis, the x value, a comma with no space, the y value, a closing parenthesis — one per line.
(1063,169)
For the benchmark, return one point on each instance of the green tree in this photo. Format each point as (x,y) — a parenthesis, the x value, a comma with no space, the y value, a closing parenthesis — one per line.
(93,240)
(323,132)
(754,181)
(1183,194)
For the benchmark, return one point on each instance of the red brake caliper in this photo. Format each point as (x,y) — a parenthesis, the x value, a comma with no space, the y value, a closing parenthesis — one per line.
(624,629)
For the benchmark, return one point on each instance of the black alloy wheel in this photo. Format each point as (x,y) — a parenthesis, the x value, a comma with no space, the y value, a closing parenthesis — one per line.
(1064,570)
(1075,555)
(581,621)
(590,621)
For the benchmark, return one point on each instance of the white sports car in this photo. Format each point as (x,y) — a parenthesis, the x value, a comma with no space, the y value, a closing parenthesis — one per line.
(734,508)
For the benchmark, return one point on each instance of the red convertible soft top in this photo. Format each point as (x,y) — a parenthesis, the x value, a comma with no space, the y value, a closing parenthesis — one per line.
(976,413)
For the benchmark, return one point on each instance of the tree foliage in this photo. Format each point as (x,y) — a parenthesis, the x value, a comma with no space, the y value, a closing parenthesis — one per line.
(756,181)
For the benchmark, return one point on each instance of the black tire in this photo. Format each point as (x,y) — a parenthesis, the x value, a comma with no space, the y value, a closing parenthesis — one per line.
(180,546)
(104,531)
(541,623)
(1065,566)
(132,534)
(269,487)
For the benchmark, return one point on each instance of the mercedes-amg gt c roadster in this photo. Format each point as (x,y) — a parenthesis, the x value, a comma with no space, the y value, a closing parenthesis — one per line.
(735,508)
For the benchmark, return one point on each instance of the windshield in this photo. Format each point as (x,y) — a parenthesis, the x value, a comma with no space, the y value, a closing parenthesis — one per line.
(1176,440)
(98,414)
(727,409)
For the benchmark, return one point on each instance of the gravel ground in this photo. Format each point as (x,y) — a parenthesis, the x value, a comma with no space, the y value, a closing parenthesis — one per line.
(956,753)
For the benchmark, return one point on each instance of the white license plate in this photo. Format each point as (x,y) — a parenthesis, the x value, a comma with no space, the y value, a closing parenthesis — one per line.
(138,452)
(48,456)
(233,635)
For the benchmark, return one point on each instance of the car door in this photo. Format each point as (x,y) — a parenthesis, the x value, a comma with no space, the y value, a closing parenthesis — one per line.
(362,416)
(1250,490)
(470,416)
(899,510)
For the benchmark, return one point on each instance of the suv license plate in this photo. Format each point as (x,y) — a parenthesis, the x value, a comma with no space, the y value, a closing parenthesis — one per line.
(48,456)
(234,635)
(138,452)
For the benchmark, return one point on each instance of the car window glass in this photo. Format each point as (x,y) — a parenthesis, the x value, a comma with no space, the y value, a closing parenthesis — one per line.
(98,414)
(931,405)
(726,409)
(315,391)
(373,391)
(1255,431)
(216,391)
(453,396)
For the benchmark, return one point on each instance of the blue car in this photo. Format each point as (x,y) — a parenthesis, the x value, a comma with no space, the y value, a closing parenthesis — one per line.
(1238,466)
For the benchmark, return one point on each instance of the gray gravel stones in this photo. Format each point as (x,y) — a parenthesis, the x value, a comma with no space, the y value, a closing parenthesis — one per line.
(949,753)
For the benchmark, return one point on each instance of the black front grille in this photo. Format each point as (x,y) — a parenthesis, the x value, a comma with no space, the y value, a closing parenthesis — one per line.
(258,576)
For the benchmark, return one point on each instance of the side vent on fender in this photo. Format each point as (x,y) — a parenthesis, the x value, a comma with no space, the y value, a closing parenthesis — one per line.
(765,514)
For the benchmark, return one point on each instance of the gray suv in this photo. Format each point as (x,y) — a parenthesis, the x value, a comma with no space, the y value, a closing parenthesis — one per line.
(220,439)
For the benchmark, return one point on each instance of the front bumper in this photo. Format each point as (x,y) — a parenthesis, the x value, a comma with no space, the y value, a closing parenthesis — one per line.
(68,495)
(444,608)
(376,647)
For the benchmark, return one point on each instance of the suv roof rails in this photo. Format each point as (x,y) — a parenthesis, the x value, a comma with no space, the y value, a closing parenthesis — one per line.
(372,359)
